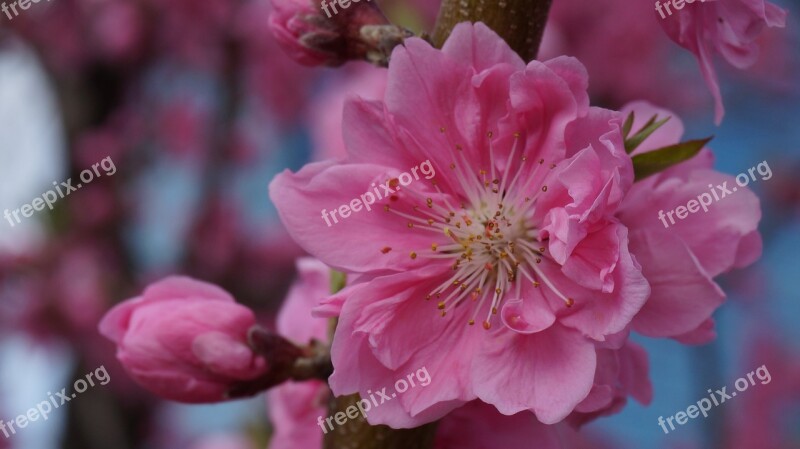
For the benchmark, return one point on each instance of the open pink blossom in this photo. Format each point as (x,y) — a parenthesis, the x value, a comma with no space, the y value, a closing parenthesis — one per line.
(680,260)
(184,340)
(514,231)
(295,407)
(725,27)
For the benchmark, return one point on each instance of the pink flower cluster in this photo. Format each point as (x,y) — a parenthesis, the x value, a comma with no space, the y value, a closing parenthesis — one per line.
(517,275)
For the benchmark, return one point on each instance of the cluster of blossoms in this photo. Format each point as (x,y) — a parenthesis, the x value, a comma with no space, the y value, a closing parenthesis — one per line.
(515,276)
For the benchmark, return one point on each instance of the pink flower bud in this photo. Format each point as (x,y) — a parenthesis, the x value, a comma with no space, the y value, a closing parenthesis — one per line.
(184,340)
(313,38)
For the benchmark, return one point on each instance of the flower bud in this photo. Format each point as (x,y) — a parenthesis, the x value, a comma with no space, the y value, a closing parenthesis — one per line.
(312,37)
(185,340)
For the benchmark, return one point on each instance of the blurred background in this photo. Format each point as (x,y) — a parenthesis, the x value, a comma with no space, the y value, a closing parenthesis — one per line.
(198,109)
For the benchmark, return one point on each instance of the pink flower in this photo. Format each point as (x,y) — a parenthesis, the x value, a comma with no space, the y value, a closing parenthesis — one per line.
(184,340)
(514,231)
(625,62)
(681,260)
(727,27)
(326,117)
(621,372)
(295,406)
(479,426)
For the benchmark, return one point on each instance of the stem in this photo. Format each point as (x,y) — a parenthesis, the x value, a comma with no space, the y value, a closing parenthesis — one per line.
(520,22)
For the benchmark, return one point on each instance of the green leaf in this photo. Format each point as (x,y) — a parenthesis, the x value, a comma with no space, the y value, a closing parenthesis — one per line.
(649,128)
(626,127)
(655,161)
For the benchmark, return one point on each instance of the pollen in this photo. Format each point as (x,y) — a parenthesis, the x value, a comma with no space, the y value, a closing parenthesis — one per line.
(413,255)
(487,325)
(386,249)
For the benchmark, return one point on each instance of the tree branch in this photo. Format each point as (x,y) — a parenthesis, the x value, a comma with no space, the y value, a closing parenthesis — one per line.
(520,22)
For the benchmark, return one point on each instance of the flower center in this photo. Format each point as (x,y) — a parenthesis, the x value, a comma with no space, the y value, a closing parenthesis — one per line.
(492,241)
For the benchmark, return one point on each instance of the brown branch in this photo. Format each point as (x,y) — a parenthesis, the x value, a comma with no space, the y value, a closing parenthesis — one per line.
(357,433)
(520,22)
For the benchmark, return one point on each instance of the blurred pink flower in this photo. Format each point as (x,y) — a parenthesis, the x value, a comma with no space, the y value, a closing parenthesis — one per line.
(184,340)
(479,426)
(681,262)
(357,79)
(726,27)
(767,417)
(294,406)
(538,178)
(621,372)
(625,63)
(294,22)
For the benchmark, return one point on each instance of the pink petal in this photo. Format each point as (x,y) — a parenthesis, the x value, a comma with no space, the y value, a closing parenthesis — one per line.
(683,297)
(549,372)
(301,198)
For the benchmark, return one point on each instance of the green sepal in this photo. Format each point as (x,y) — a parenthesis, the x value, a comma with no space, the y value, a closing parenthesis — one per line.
(649,128)
(655,161)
